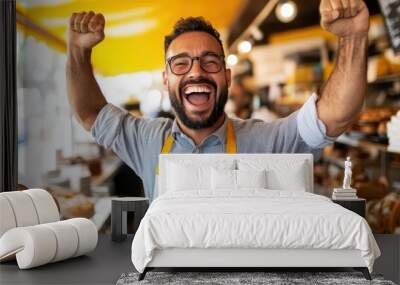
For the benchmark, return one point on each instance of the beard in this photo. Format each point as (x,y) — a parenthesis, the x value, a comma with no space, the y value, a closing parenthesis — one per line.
(216,113)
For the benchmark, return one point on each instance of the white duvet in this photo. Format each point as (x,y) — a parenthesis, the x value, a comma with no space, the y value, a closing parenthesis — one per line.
(254,218)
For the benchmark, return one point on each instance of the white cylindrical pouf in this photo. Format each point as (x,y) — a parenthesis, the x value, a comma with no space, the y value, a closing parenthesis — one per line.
(23,208)
(45,205)
(34,246)
(67,239)
(7,218)
(40,244)
(87,234)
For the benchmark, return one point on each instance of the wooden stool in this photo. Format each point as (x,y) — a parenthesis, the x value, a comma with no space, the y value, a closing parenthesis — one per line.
(119,209)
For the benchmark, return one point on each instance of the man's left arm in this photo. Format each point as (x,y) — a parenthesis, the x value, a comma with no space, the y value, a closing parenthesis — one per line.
(343,94)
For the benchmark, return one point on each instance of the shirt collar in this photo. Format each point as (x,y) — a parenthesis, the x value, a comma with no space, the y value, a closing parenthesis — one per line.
(219,133)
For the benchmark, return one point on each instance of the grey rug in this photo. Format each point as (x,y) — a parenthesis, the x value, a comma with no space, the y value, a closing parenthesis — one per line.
(230,278)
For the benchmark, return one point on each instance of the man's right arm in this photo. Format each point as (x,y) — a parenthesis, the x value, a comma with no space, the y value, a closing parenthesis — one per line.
(85,31)
(135,140)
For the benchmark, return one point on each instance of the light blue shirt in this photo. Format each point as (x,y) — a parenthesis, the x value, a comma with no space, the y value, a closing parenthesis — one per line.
(138,141)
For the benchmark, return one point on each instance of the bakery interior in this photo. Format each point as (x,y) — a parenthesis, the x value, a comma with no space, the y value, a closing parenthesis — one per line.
(279,56)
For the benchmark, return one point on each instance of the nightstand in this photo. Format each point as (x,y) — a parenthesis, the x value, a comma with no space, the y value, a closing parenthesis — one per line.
(119,208)
(356,205)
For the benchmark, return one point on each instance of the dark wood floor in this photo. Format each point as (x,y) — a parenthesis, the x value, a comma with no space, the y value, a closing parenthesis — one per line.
(106,264)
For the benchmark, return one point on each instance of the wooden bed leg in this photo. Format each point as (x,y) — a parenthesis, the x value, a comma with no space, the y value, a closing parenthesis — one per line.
(364,271)
(143,274)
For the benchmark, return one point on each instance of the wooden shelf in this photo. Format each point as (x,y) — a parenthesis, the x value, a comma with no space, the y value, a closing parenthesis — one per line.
(386,79)
(304,83)
(339,162)
(364,144)
(110,166)
(333,160)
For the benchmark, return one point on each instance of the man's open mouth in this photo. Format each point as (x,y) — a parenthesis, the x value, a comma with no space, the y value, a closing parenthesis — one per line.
(198,95)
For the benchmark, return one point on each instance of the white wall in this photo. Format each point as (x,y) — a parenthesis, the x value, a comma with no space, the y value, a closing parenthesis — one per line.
(45,120)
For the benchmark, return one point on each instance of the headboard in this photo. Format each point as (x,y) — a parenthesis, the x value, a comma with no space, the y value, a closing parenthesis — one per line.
(269,159)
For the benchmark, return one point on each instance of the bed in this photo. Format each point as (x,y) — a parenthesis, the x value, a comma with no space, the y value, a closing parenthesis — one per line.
(247,211)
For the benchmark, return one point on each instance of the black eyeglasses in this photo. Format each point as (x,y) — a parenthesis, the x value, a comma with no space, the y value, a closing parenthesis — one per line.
(209,62)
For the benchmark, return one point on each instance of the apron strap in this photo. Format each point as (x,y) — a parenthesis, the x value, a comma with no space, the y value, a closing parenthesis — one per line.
(166,149)
(167,145)
(230,146)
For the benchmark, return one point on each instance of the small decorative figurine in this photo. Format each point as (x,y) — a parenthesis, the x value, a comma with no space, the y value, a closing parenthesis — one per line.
(347,174)
(345,193)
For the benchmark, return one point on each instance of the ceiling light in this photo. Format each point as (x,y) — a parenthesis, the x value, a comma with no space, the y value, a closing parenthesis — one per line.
(232,60)
(244,47)
(286,11)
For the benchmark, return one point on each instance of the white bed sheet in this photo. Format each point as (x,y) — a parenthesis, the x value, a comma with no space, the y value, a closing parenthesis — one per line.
(252,218)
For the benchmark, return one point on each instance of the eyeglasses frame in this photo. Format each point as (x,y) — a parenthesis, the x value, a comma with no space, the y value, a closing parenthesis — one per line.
(193,58)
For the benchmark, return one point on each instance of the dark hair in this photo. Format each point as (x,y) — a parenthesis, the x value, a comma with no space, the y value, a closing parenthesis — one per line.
(191,24)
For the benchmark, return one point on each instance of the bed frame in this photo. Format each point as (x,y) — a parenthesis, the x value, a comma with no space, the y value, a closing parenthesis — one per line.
(234,259)
(249,259)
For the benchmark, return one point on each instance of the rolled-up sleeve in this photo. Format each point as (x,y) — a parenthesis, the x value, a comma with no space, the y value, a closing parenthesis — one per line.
(311,129)
(131,138)
(107,125)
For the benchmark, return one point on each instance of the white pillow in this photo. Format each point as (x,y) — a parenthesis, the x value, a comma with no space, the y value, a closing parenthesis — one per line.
(237,179)
(182,177)
(223,179)
(293,180)
(277,180)
(282,174)
(187,175)
(251,178)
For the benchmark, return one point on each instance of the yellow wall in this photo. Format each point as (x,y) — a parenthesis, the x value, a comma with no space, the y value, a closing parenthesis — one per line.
(145,23)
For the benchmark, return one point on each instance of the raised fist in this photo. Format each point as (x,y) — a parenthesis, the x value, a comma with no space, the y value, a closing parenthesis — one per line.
(345,18)
(86,30)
